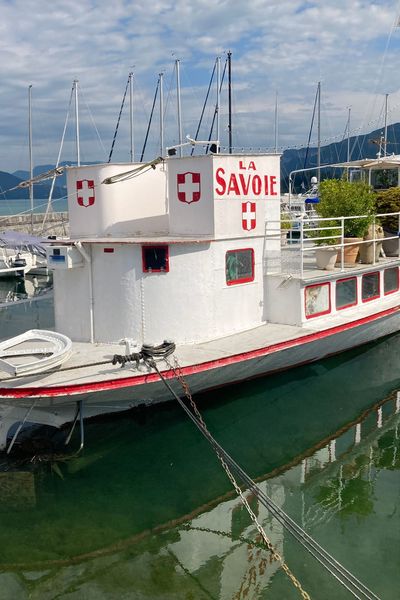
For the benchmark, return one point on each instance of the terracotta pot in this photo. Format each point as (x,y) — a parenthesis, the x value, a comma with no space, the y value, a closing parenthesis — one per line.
(367,250)
(351,248)
(326,258)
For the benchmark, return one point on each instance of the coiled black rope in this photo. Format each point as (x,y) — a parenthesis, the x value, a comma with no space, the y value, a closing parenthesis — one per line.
(147,352)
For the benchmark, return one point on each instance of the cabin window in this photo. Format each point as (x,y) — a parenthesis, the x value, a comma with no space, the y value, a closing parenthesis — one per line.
(155,259)
(239,266)
(317,300)
(346,293)
(370,287)
(391,280)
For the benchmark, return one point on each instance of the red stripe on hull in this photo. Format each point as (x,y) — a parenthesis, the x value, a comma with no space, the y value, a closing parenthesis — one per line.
(112,384)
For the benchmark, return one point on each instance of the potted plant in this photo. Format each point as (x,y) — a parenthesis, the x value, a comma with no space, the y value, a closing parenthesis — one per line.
(341,198)
(388,201)
(286,225)
(326,241)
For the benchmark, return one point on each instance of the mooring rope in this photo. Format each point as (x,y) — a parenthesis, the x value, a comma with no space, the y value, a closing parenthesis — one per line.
(343,576)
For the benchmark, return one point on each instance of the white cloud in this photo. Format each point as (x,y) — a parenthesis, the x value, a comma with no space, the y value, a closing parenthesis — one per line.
(287,46)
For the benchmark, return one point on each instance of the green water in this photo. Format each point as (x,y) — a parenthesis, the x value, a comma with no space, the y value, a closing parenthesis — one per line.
(147,511)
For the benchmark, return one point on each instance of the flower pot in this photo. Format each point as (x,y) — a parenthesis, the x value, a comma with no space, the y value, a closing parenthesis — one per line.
(391,247)
(351,248)
(367,255)
(326,258)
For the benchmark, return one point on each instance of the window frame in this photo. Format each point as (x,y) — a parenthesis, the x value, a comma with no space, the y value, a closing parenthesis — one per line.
(379,286)
(398,282)
(245,279)
(324,312)
(149,246)
(346,305)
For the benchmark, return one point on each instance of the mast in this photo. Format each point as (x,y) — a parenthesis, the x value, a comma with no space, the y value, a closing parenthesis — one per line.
(385,134)
(230,100)
(319,132)
(161,75)
(30,155)
(132,151)
(78,155)
(218,100)
(276,122)
(178,95)
(348,136)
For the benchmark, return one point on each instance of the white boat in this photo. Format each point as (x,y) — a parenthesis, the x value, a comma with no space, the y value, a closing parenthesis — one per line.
(189,249)
(21,253)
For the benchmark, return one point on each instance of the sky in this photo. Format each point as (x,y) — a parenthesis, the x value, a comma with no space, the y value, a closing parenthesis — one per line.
(279,48)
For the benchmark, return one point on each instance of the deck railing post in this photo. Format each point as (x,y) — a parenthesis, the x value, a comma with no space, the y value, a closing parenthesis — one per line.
(342,245)
(301,246)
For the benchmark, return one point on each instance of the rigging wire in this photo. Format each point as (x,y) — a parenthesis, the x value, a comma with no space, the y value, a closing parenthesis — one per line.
(215,110)
(150,119)
(58,160)
(311,128)
(93,122)
(347,579)
(204,105)
(118,120)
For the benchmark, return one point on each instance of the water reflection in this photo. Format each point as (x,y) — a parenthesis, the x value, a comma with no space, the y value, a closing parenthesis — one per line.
(147,511)
(14,289)
(25,303)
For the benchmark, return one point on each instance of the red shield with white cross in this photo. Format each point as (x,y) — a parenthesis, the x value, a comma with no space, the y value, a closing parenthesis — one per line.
(85,192)
(188,187)
(248,215)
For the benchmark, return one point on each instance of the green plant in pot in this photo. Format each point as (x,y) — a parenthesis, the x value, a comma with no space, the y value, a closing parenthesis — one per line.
(327,236)
(341,198)
(388,201)
(286,224)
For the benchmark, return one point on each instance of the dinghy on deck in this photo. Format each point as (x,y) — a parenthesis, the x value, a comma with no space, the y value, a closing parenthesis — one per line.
(33,352)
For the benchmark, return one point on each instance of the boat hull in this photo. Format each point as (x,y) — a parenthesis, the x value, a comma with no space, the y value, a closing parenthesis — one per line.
(56,405)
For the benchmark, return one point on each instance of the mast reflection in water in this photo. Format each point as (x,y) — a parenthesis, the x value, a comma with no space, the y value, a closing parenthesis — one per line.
(147,512)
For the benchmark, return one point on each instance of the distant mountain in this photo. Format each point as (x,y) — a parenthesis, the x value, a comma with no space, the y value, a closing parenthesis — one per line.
(361,146)
(9,181)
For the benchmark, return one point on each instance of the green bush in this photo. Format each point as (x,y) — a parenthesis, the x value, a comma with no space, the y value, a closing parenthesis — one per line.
(332,234)
(388,201)
(340,198)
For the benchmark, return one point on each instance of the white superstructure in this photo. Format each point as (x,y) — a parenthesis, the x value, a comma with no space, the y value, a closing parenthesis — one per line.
(191,250)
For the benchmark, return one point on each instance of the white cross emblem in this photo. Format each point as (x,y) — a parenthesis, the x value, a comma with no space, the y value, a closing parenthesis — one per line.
(248,215)
(85,192)
(188,185)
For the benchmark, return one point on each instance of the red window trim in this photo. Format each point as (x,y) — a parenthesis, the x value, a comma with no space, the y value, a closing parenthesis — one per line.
(379,286)
(324,312)
(396,289)
(353,303)
(245,279)
(166,270)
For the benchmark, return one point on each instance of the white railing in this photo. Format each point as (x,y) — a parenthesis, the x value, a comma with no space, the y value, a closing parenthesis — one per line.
(301,238)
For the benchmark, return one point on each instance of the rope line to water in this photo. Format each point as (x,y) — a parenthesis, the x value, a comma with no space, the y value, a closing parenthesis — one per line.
(347,579)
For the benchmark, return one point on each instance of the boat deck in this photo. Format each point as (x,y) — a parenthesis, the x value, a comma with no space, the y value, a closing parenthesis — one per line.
(85,364)
(291,264)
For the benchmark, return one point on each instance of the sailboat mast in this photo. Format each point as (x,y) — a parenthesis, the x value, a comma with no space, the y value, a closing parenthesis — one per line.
(319,131)
(217,108)
(230,100)
(78,154)
(276,122)
(30,155)
(385,134)
(161,75)
(348,135)
(132,151)
(178,95)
